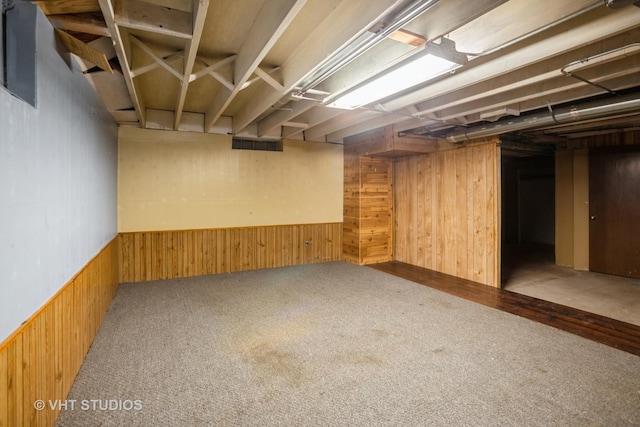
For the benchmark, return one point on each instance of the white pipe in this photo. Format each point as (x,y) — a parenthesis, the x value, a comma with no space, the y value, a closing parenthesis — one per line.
(587,111)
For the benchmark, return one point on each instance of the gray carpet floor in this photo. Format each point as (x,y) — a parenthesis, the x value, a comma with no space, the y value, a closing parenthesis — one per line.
(338,345)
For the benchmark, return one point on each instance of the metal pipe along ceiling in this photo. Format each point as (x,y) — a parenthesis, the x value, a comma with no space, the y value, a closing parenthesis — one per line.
(578,113)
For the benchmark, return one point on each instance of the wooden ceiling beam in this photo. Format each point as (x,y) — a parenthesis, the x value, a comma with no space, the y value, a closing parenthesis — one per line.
(279,117)
(532,98)
(138,71)
(362,124)
(212,71)
(208,68)
(88,24)
(313,117)
(223,80)
(199,13)
(56,7)
(151,54)
(454,18)
(84,51)
(274,18)
(318,133)
(185,6)
(563,41)
(407,37)
(557,89)
(534,77)
(295,125)
(532,74)
(269,80)
(441,19)
(109,17)
(345,23)
(145,16)
(257,79)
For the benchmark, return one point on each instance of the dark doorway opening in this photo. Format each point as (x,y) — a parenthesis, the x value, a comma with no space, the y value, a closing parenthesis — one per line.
(528,235)
(528,211)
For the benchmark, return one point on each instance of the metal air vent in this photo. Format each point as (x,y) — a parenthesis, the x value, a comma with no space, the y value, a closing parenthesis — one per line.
(255,144)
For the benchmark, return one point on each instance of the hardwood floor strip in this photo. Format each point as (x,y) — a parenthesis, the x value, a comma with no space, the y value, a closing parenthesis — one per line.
(621,335)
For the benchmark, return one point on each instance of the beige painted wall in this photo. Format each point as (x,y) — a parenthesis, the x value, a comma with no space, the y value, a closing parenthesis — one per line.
(572,209)
(581,209)
(182,180)
(564,208)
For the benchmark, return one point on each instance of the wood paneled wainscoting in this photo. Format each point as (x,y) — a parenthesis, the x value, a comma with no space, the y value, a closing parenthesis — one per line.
(39,362)
(156,255)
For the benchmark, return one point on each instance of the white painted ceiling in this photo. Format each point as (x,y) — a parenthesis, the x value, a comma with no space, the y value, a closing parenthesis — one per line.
(246,67)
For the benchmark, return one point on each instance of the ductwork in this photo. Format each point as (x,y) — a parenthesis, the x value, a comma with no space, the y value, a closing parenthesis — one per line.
(574,114)
(617,4)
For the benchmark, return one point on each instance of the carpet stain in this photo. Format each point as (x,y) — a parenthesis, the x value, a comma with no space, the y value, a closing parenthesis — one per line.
(442,303)
(275,363)
(380,333)
(268,345)
(541,370)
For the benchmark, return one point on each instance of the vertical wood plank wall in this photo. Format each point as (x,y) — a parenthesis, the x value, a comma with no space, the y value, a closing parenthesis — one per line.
(368,202)
(351,208)
(447,212)
(41,359)
(156,255)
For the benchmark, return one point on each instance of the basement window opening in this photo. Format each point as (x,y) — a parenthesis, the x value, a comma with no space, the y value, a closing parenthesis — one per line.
(257,145)
(18,49)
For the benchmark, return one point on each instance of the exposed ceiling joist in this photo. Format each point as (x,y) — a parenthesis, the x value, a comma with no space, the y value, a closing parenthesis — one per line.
(266,68)
(430,25)
(168,59)
(109,17)
(275,17)
(84,51)
(199,13)
(157,59)
(145,16)
(342,121)
(562,41)
(257,79)
(82,23)
(534,74)
(342,25)
(59,7)
(209,68)
(269,80)
(279,117)
(314,117)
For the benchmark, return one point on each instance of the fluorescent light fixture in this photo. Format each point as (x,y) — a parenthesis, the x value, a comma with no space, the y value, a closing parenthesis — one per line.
(418,69)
